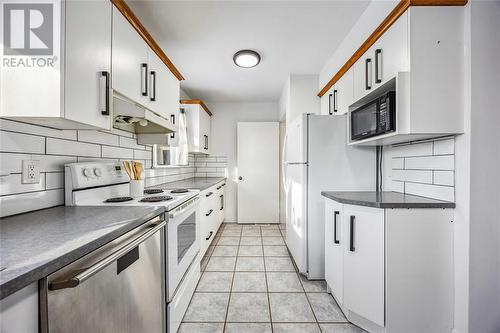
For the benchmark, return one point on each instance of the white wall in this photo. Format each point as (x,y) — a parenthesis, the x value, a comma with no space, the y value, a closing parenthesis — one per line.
(484,260)
(224,121)
(373,15)
(299,96)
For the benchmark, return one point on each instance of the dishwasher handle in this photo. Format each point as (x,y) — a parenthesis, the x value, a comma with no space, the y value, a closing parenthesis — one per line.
(86,273)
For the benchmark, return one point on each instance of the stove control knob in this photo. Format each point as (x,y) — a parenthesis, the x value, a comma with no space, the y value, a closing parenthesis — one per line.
(97,172)
(87,172)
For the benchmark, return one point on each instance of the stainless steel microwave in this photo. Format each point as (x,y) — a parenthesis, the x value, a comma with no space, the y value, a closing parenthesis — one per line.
(374,118)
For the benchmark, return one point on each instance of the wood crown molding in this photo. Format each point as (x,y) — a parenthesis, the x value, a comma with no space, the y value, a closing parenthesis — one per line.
(196,101)
(400,8)
(134,21)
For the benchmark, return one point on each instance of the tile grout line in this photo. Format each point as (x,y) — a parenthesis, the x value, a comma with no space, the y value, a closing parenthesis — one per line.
(232,280)
(267,285)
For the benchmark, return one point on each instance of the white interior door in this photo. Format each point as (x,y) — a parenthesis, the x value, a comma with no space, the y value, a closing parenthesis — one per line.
(258,172)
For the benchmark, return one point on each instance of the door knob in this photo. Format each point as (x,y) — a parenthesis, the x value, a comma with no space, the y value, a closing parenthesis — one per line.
(240,178)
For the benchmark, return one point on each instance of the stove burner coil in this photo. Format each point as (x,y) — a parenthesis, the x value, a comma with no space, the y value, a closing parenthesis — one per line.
(119,199)
(156,199)
(153,191)
(180,190)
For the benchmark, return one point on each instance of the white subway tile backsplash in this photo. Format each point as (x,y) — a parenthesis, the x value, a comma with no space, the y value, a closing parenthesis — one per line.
(142,154)
(72,148)
(51,163)
(425,169)
(419,176)
(54,148)
(12,163)
(443,147)
(444,162)
(16,126)
(422,149)
(12,184)
(397,163)
(444,178)
(21,143)
(54,180)
(26,202)
(101,138)
(446,193)
(130,143)
(117,152)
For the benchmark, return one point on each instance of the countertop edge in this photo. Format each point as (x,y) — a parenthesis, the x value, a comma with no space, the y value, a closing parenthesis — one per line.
(384,205)
(24,280)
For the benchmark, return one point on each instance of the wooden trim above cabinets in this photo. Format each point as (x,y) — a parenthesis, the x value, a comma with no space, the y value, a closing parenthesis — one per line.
(134,21)
(196,101)
(400,8)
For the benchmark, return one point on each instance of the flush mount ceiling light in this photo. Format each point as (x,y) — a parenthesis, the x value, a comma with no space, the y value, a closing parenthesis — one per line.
(246,58)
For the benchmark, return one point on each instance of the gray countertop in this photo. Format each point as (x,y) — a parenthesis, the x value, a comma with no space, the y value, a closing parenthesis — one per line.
(386,200)
(197,183)
(35,244)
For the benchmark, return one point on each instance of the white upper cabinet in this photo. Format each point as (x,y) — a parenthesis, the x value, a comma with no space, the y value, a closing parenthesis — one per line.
(163,87)
(198,127)
(71,91)
(139,74)
(130,61)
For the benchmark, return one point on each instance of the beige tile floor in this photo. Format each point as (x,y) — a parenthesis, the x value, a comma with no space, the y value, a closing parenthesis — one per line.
(249,284)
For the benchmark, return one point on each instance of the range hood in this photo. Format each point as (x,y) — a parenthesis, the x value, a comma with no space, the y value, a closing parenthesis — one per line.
(132,117)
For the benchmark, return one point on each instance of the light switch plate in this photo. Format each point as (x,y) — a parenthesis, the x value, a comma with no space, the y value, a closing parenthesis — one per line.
(31,171)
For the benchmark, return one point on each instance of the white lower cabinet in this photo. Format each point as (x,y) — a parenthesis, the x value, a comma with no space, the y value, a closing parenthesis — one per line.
(391,270)
(364,262)
(334,256)
(212,214)
(19,311)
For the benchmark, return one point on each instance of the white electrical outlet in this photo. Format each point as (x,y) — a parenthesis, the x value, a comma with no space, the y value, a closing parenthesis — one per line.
(31,171)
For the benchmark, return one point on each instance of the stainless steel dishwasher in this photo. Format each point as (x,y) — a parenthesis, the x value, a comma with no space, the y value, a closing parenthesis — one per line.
(117,288)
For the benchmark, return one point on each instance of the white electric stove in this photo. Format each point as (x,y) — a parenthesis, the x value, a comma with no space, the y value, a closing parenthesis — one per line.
(107,184)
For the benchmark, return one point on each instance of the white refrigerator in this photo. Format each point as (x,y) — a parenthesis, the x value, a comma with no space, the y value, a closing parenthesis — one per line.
(317,158)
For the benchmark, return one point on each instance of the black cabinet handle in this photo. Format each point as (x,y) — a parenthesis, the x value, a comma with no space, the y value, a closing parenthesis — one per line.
(378,61)
(210,235)
(144,79)
(221,202)
(335,240)
(351,240)
(335,101)
(206,142)
(223,185)
(172,120)
(153,86)
(368,62)
(209,194)
(209,212)
(219,187)
(330,104)
(105,111)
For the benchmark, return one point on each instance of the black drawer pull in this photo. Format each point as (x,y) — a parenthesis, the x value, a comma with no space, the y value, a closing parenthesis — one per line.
(335,214)
(219,187)
(210,235)
(209,212)
(209,194)
(351,240)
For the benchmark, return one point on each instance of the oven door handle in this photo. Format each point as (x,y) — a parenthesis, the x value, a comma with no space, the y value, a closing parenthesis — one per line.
(86,273)
(187,207)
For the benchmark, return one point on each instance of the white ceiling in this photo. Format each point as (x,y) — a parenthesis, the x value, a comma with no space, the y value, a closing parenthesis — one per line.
(200,37)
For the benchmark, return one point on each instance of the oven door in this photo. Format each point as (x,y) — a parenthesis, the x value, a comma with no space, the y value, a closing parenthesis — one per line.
(364,121)
(183,243)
